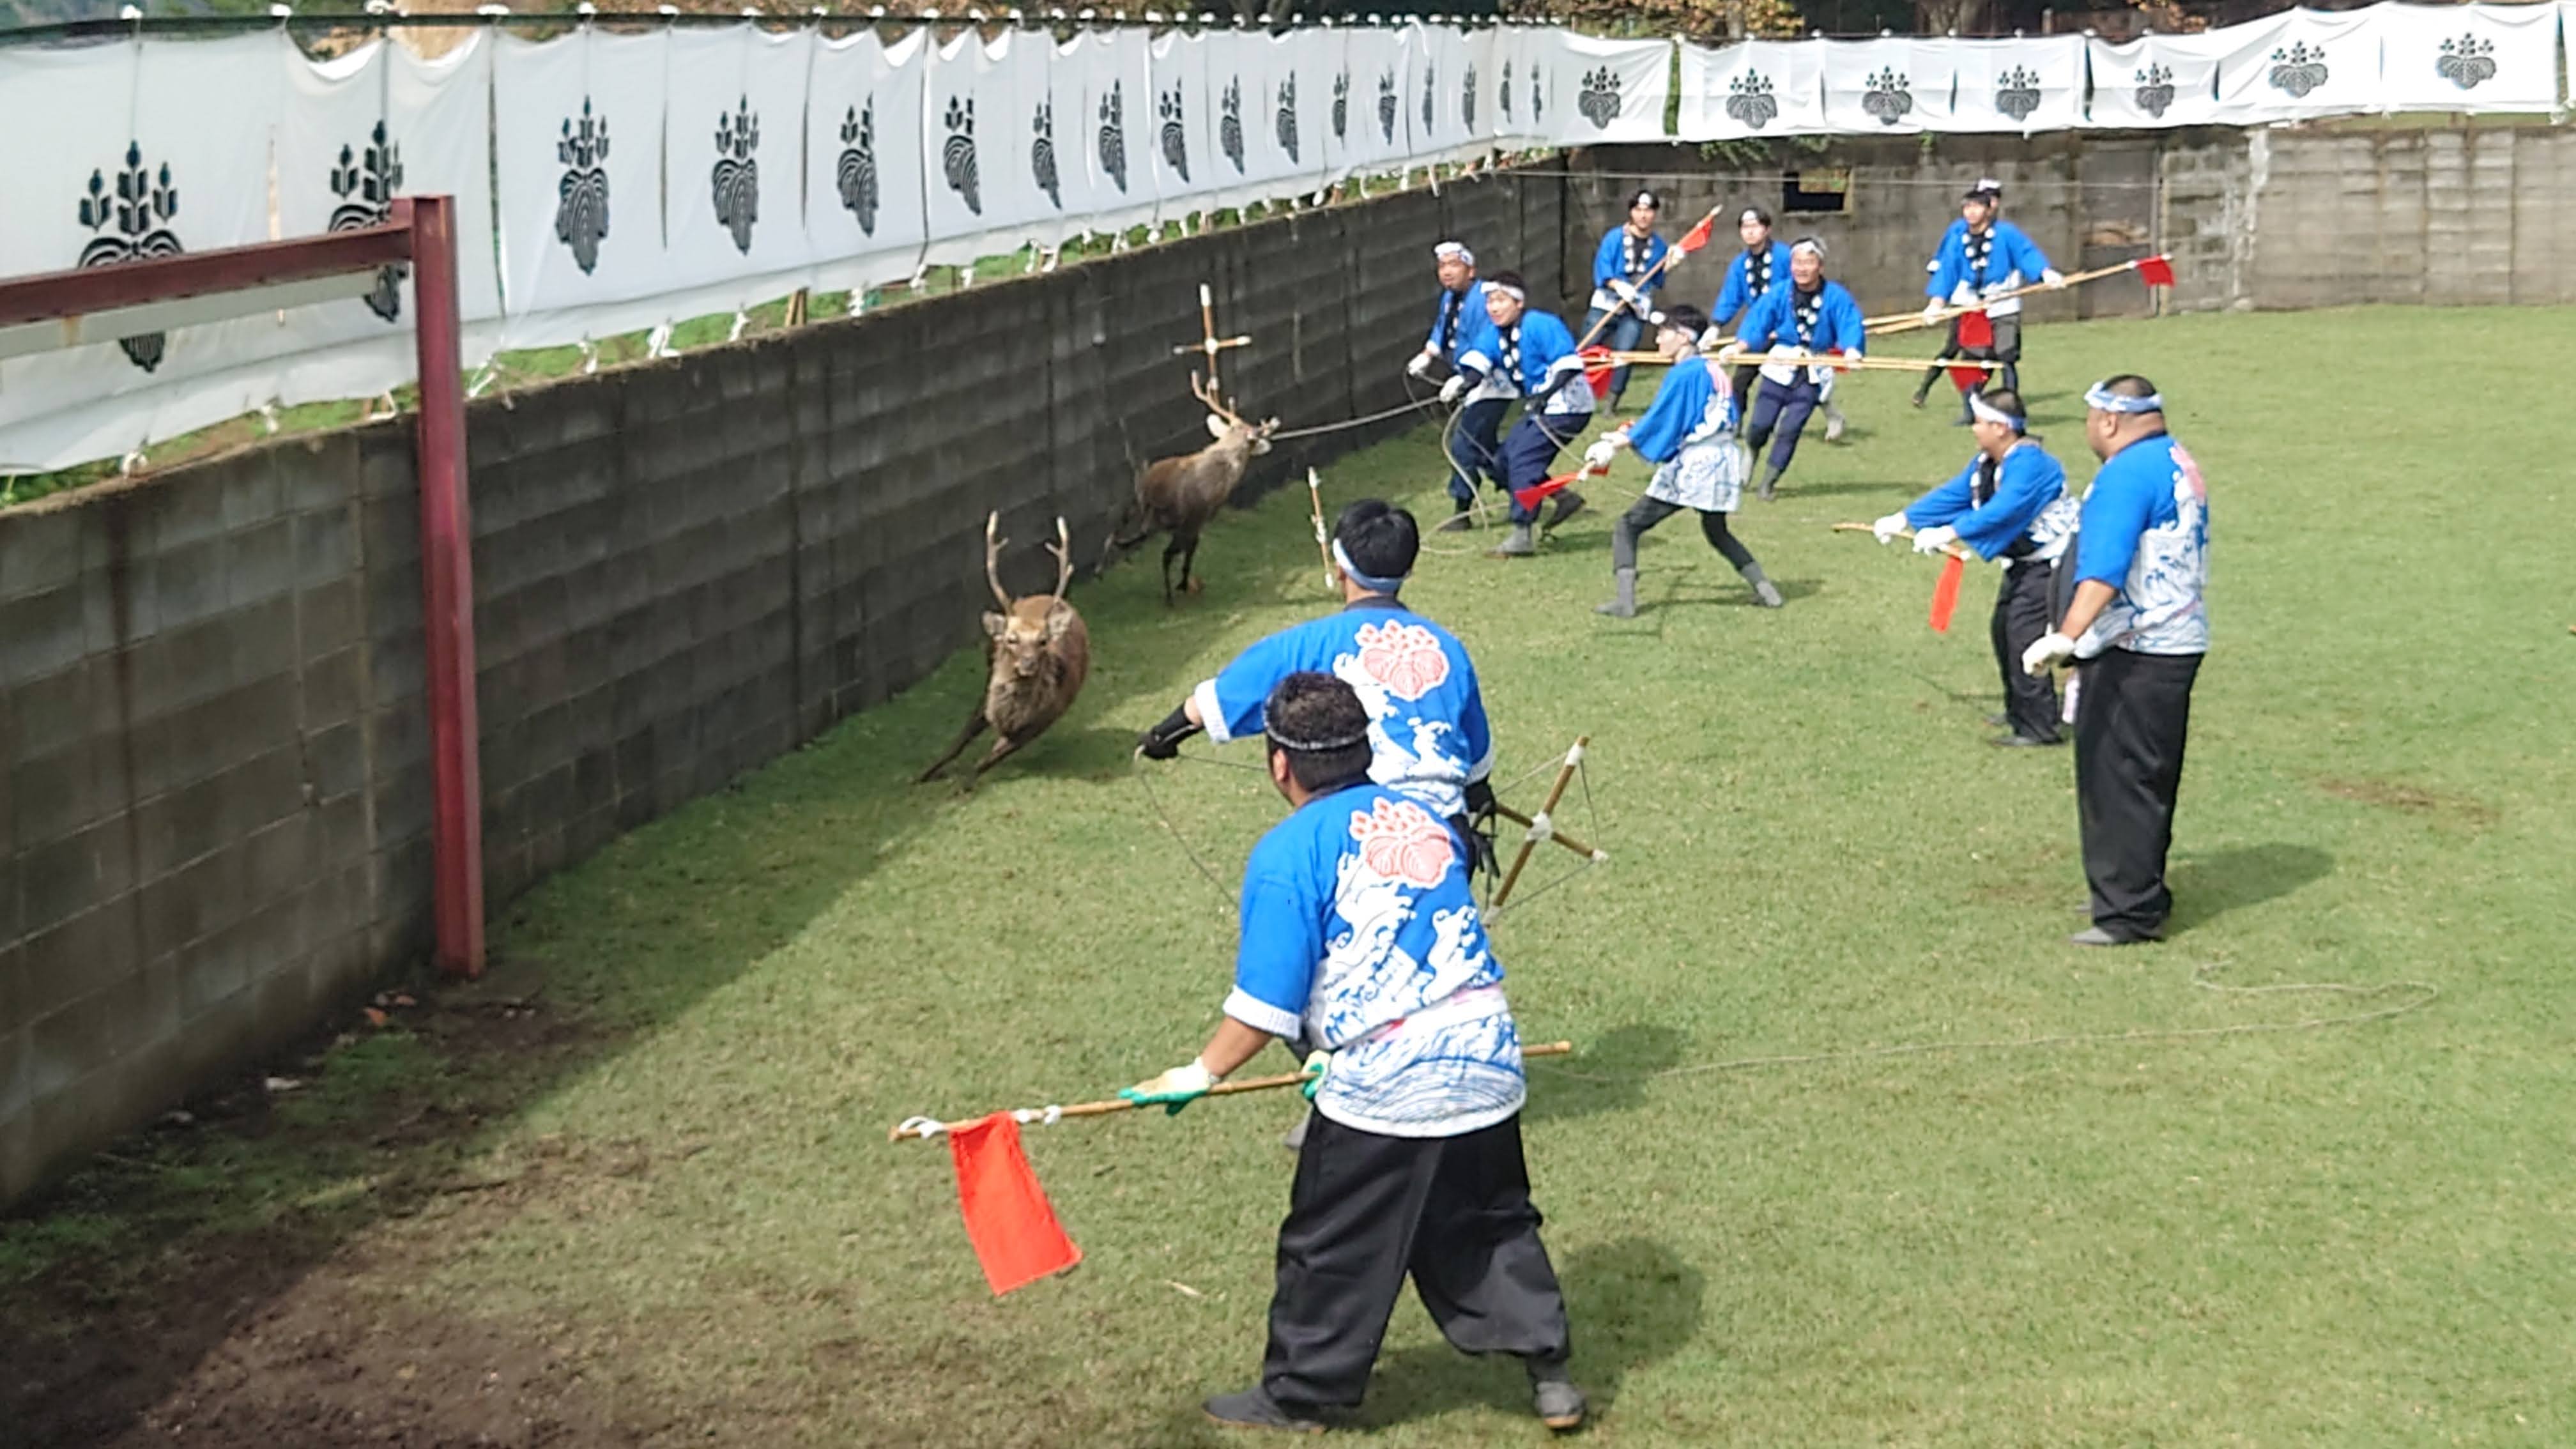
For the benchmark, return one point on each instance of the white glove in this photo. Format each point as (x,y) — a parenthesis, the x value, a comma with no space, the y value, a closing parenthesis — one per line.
(1454,388)
(1932,310)
(1936,539)
(1598,456)
(1889,529)
(1626,289)
(1849,359)
(2053,277)
(2050,650)
(1420,366)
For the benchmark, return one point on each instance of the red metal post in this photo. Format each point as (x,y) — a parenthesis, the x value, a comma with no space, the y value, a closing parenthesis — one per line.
(447,586)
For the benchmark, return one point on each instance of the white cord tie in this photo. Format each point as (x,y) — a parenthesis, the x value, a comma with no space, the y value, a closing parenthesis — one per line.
(1541,828)
(1574,756)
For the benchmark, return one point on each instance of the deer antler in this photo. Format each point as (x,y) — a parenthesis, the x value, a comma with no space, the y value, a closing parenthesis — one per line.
(1062,548)
(993,556)
(1215,404)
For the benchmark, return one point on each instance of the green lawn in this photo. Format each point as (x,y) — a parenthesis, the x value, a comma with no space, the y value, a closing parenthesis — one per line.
(2351,1235)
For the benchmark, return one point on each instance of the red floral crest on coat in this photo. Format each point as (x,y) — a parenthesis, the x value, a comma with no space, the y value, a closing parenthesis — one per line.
(1401,841)
(1406,658)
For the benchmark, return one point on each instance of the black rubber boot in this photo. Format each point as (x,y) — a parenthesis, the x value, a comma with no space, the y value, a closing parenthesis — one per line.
(1568,504)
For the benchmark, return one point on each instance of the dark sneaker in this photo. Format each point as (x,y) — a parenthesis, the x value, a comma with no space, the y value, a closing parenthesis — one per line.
(2096,936)
(1557,1402)
(1458,522)
(2018,741)
(1568,504)
(1255,1409)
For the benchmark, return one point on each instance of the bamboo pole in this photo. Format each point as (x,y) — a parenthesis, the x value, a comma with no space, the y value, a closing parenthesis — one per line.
(1652,272)
(1559,836)
(1908,321)
(1109,1105)
(1817,359)
(1955,550)
(1529,842)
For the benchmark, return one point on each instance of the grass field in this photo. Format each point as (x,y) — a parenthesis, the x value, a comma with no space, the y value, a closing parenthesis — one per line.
(641,1177)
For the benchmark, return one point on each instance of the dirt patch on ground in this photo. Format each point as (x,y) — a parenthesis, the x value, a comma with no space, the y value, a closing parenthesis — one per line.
(2414,799)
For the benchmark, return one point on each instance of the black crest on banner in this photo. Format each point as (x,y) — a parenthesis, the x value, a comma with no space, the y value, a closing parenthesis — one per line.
(1538,96)
(1386,107)
(1229,123)
(1504,95)
(1342,106)
(2298,69)
(1176,137)
(737,176)
(365,180)
(858,169)
(2155,89)
(1889,96)
(1467,98)
(1599,99)
(1113,135)
(581,198)
(957,154)
(1288,115)
(2466,62)
(2017,93)
(1042,153)
(1749,100)
(130,226)
(1430,103)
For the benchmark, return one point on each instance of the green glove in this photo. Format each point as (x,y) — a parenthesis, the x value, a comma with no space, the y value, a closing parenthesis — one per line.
(1174,1089)
(1319,1065)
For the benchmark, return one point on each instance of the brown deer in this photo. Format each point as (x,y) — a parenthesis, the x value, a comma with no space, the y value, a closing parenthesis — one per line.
(1038,652)
(1180,495)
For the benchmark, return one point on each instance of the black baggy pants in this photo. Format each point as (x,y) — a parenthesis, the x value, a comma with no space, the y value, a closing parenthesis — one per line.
(2021,617)
(1367,1210)
(2132,714)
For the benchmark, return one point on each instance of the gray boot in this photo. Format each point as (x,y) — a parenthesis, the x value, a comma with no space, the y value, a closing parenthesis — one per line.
(1568,504)
(1763,588)
(1554,1398)
(1519,545)
(1770,488)
(1624,606)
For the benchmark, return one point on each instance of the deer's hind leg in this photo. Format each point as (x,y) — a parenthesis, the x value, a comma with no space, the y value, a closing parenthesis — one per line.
(1004,747)
(965,737)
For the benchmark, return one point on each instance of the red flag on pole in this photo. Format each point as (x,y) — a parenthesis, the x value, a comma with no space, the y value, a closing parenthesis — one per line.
(1945,594)
(2155,271)
(1597,368)
(1536,493)
(1695,238)
(1015,1233)
(1967,379)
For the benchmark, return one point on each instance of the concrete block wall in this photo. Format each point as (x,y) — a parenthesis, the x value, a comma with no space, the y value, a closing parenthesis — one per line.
(206,718)
(211,681)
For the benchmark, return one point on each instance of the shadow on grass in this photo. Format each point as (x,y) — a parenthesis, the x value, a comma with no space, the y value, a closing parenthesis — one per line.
(1602,1076)
(2206,887)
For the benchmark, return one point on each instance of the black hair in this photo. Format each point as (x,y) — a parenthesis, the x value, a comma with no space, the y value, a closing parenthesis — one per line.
(1381,539)
(1507,279)
(2128,384)
(1759,214)
(1646,198)
(2003,399)
(1688,318)
(1318,722)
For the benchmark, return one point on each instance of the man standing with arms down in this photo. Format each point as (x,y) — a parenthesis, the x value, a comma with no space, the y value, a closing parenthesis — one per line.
(2137,628)
(1360,934)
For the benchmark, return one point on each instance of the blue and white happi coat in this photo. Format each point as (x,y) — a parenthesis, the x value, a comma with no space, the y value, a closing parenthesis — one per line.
(1969,266)
(1688,433)
(2014,510)
(1533,358)
(2144,530)
(1428,736)
(1360,933)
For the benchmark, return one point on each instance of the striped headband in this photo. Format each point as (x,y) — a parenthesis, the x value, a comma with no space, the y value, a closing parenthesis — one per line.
(1313,747)
(1371,582)
(2099,395)
(1988,412)
(1449,250)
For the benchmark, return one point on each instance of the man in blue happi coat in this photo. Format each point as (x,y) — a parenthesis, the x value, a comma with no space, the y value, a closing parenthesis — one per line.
(1428,734)
(1762,265)
(1688,433)
(1627,270)
(1803,320)
(1982,256)
(1526,353)
(2009,504)
(1360,935)
(1474,441)
(2137,625)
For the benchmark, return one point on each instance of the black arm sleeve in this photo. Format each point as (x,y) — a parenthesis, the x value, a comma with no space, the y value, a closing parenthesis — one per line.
(1163,741)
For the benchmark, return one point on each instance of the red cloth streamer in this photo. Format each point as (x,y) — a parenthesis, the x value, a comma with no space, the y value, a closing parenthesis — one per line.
(1597,368)
(1531,496)
(1976,329)
(1967,379)
(2156,271)
(1945,594)
(1015,1233)
(1695,238)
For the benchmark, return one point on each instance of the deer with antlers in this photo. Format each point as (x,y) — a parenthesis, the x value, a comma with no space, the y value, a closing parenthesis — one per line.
(1179,495)
(1038,653)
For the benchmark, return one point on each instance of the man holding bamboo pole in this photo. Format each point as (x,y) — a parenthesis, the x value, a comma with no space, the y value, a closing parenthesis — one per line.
(1981,258)
(1626,269)
(1360,934)
(1794,325)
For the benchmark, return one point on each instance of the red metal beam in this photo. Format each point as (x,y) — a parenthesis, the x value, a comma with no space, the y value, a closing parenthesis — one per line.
(47,296)
(447,588)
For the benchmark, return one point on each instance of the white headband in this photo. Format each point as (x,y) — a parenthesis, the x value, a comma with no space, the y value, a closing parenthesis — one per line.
(1988,412)
(2099,395)
(1508,290)
(1447,250)
(1807,244)
(1371,582)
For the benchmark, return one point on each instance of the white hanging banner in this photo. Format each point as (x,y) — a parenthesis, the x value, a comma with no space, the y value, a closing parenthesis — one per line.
(1603,90)
(735,168)
(1435,98)
(2468,57)
(1890,86)
(1758,88)
(1247,162)
(988,191)
(1180,141)
(863,160)
(578,141)
(148,149)
(2157,80)
(1368,110)
(1303,70)
(1482,92)
(2024,85)
(1104,92)
(2296,65)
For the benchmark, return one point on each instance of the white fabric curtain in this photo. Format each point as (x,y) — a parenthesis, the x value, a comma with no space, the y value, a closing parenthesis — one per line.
(1368,110)
(2468,57)
(1251,161)
(1603,90)
(1179,142)
(1109,136)
(1435,99)
(2026,85)
(1891,86)
(1758,88)
(578,142)
(1303,69)
(988,177)
(2157,80)
(735,167)
(863,171)
(2297,65)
